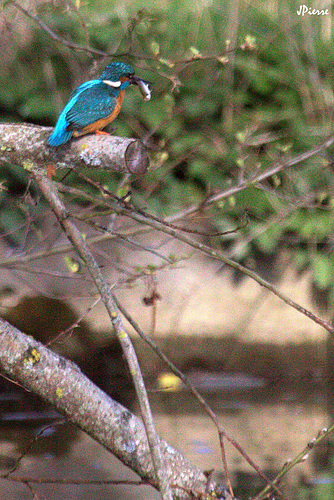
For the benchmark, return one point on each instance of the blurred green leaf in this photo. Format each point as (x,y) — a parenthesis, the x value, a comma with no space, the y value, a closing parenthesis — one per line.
(323,270)
(215,124)
(269,239)
(12,223)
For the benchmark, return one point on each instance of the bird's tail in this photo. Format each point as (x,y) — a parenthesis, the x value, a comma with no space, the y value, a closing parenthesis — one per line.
(59,136)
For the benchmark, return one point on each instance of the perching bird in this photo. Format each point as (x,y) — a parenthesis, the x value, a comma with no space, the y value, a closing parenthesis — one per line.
(96,103)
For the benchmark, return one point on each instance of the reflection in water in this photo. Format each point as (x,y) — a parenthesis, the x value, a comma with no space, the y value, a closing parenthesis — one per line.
(272,423)
(213,381)
(273,408)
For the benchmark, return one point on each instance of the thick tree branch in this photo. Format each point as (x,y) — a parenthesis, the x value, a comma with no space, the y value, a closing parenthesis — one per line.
(61,383)
(25,145)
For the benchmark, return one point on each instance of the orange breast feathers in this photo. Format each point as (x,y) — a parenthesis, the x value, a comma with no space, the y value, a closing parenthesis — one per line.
(103,122)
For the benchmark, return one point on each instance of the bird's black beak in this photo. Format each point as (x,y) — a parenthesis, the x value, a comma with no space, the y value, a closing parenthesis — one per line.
(144,86)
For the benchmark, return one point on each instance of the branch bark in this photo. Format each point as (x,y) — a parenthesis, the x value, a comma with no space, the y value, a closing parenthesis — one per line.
(25,145)
(61,383)
(51,195)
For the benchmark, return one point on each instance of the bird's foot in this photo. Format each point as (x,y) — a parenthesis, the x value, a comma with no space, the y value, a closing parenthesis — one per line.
(101,132)
(50,171)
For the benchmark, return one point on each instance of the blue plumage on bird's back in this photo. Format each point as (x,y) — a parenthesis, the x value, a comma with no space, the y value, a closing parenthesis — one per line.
(61,134)
(94,104)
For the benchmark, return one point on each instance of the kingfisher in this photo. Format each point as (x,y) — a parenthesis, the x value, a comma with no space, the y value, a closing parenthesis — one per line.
(96,103)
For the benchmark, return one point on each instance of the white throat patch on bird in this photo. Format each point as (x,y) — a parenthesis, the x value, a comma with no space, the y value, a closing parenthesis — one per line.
(112,84)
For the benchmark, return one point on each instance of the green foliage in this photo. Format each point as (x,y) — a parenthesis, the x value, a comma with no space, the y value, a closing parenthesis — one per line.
(217,117)
(322,491)
(12,222)
(322,267)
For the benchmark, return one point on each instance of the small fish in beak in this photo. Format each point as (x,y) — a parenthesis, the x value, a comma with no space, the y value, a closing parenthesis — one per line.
(144,87)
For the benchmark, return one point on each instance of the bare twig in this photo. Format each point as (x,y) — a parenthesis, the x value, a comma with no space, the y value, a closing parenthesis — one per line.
(107,192)
(29,446)
(221,57)
(277,167)
(153,222)
(80,246)
(223,433)
(301,457)
(57,38)
(69,330)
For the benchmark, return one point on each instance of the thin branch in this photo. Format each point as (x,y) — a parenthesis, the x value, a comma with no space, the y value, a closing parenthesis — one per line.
(58,38)
(277,167)
(300,457)
(170,62)
(119,236)
(66,333)
(78,242)
(29,446)
(188,230)
(221,430)
(153,222)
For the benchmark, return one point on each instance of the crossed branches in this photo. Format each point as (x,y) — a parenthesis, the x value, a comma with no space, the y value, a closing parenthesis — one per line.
(66,217)
(155,463)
